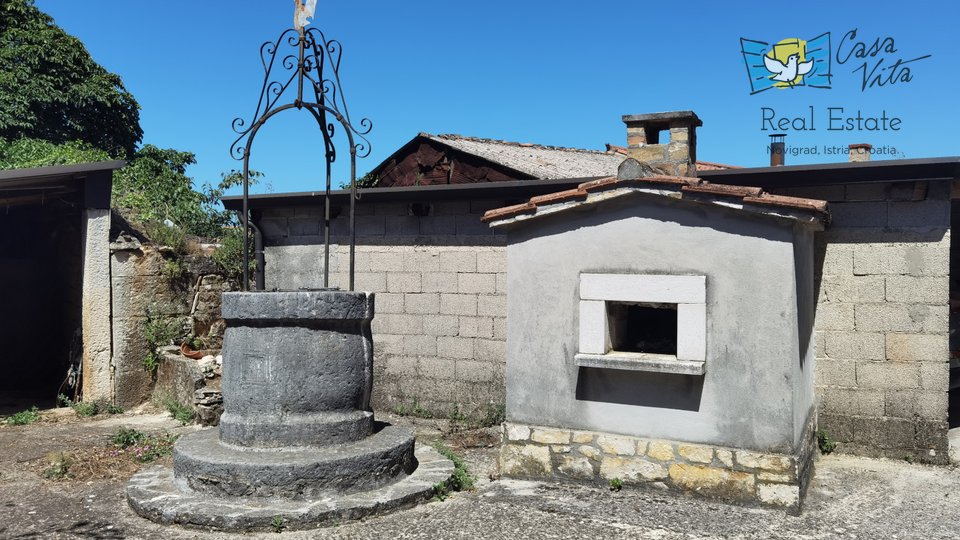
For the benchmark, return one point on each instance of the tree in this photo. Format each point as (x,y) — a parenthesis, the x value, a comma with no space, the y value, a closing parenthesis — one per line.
(51,89)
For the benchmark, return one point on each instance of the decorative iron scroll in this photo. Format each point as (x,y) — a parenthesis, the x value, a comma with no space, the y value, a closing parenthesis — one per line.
(304,59)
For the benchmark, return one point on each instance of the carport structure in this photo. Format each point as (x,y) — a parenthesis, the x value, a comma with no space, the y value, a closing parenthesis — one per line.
(55,282)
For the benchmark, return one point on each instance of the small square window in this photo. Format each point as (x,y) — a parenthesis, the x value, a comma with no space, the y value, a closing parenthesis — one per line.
(642,327)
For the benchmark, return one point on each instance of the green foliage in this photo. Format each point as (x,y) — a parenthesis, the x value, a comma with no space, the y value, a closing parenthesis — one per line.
(27,153)
(59,467)
(63,400)
(441,491)
(826,444)
(114,409)
(491,415)
(414,410)
(86,408)
(159,330)
(278,524)
(461,479)
(174,270)
(51,89)
(616,484)
(229,256)
(24,418)
(126,437)
(182,413)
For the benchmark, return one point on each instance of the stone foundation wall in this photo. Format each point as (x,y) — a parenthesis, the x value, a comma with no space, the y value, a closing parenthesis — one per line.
(536,452)
(882,321)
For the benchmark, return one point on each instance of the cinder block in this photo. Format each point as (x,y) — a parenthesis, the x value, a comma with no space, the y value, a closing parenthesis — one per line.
(455,347)
(883,432)
(470,225)
(476,283)
(834,259)
(401,366)
(422,304)
(386,261)
(900,403)
(836,373)
(853,401)
(935,376)
(387,344)
(921,290)
(932,405)
(420,345)
(396,226)
(438,369)
(458,261)
(406,282)
(370,226)
(888,376)
(479,206)
(502,283)
(371,282)
(441,325)
(920,214)
(500,328)
(917,259)
(452,207)
(848,288)
(910,318)
(492,305)
(391,209)
(458,304)
(917,347)
(473,371)
(390,323)
(421,261)
(438,225)
(492,261)
(443,282)
(389,303)
(859,214)
(491,350)
(476,327)
(854,345)
(835,316)
(304,226)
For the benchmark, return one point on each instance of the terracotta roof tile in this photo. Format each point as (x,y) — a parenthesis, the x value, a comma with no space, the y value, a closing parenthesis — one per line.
(698,190)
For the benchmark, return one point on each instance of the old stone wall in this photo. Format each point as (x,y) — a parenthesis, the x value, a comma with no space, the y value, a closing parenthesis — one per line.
(145,292)
(882,318)
(704,470)
(440,283)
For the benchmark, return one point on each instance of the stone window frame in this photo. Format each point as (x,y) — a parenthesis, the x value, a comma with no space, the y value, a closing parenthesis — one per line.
(688,293)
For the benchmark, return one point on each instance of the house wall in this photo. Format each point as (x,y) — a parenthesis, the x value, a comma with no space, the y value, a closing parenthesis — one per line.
(440,282)
(757,351)
(882,317)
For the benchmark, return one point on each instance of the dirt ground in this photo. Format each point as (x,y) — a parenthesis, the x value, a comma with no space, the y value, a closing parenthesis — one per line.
(849,498)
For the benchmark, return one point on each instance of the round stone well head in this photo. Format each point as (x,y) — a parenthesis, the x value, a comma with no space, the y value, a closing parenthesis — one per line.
(297,438)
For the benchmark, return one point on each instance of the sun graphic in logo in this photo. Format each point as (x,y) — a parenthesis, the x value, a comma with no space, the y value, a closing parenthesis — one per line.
(788,63)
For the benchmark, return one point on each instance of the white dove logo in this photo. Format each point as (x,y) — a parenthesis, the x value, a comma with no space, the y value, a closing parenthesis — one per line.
(789,72)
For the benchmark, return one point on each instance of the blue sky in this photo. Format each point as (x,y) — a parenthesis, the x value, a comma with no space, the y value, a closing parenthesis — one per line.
(550,72)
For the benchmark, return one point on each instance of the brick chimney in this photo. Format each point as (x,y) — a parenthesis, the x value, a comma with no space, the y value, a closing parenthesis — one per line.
(678,157)
(860,152)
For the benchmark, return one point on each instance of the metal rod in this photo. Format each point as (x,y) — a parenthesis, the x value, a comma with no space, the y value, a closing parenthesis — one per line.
(353,215)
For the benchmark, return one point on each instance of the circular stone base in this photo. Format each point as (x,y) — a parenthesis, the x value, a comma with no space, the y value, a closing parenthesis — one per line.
(203,463)
(154,495)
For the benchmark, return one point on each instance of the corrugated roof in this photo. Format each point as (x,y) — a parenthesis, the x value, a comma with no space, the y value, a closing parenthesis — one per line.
(750,199)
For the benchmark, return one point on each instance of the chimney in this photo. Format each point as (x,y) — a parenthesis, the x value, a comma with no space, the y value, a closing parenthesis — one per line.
(860,152)
(777,149)
(678,157)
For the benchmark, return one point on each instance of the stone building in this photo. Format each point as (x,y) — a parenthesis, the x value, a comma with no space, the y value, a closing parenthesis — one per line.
(882,271)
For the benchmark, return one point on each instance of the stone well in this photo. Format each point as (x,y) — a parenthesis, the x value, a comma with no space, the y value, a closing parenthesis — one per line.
(297,438)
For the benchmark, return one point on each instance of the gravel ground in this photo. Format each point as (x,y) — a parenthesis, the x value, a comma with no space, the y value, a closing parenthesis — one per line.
(849,498)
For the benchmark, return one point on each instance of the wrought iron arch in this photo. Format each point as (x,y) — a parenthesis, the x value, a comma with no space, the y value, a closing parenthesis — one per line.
(316,66)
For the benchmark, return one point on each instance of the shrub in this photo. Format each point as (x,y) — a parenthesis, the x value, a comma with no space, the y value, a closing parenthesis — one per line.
(24,418)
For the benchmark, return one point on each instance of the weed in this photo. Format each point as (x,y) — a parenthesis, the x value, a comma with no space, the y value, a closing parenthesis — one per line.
(278,524)
(441,491)
(414,410)
(461,479)
(164,235)
(159,330)
(183,413)
(86,408)
(151,362)
(174,270)
(114,409)
(492,415)
(826,444)
(126,437)
(457,417)
(24,418)
(59,467)
(908,458)
(64,400)
(616,484)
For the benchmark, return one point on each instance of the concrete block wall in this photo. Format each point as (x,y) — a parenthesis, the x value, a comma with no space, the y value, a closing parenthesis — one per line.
(440,282)
(882,321)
